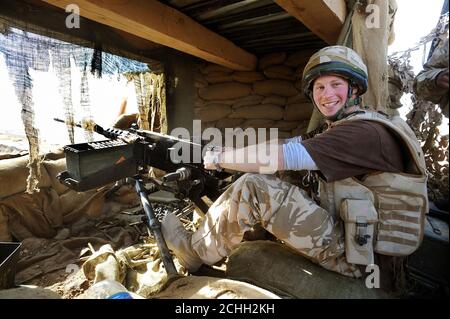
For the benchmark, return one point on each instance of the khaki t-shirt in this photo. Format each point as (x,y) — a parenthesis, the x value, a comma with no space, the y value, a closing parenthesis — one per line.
(355,148)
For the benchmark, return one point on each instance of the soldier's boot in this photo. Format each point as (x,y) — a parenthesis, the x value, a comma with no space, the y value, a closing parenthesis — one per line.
(178,240)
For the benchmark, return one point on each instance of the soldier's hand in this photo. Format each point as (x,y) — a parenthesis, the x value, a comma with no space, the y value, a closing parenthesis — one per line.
(442,80)
(211,159)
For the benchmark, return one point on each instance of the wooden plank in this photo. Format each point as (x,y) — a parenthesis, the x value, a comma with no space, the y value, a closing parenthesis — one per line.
(162,24)
(323,17)
(41,18)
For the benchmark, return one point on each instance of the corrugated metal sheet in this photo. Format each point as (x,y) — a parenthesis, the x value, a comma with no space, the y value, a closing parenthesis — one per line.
(258,26)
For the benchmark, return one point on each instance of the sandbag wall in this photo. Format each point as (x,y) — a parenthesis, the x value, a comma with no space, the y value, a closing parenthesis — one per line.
(268,97)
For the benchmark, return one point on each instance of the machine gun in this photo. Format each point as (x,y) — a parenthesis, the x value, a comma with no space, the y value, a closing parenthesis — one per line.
(128,155)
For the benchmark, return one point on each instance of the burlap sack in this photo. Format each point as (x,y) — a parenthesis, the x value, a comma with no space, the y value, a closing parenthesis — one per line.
(5,234)
(286,125)
(248,100)
(298,85)
(299,98)
(104,264)
(203,287)
(212,113)
(298,112)
(282,72)
(200,81)
(218,77)
(36,215)
(271,59)
(274,99)
(298,73)
(199,102)
(227,122)
(247,76)
(54,168)
(281,270)
(257,123)
(364,37)
(205,125)
(226,102)
(298,58)
(210,67)
(14,173)
(224,91)
(264,111)
(274,87)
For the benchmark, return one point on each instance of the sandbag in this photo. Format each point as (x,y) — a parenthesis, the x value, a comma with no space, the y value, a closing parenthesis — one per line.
(299,98)
(247,76)
(224,91)
(271,59)
(264,111)
(279,72)
(298,58)
(212,113)
(279,269)
(103,264)
(54,168)
(5,234)
(200,81)
(248,100)
(227,122)
(14,173)
(274,87)
(210,68)
(274,99)
(200,102)
(297,112)
(204,287)
(36,215)
(218,77)
(257,123)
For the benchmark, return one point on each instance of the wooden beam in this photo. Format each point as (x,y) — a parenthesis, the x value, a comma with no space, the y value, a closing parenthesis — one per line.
(161,24)
(41,18)
(323,17)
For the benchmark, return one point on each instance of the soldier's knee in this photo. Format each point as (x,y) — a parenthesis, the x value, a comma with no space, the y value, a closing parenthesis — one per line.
(249,177)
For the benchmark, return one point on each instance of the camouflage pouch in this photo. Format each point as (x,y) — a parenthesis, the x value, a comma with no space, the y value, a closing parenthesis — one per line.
(359,216)
(401,220)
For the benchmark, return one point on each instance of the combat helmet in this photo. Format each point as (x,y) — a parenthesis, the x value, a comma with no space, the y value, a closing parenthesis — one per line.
(341,61)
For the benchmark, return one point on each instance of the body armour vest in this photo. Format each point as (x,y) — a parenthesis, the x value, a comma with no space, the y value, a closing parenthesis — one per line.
(382,212)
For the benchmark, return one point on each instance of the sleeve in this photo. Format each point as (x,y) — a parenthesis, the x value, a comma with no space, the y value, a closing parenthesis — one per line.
(296,157)
(425,82)
(295,139)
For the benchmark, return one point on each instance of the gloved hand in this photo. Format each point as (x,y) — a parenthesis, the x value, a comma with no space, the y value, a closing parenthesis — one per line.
(212,159)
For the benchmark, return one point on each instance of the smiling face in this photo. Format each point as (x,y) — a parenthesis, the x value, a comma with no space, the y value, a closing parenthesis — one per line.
(330,94)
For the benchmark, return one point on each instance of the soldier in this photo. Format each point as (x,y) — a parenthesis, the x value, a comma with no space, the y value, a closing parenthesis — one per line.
(431,84)
(359,163)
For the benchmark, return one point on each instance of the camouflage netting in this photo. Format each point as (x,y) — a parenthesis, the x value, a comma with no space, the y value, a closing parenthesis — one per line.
(424,117)
(25,51)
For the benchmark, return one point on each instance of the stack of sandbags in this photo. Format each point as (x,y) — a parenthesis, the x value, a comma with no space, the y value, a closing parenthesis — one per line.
(42,213)
(267,98)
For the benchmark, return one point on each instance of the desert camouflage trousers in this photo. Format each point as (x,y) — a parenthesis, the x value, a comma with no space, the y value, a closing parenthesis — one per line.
(281,208)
